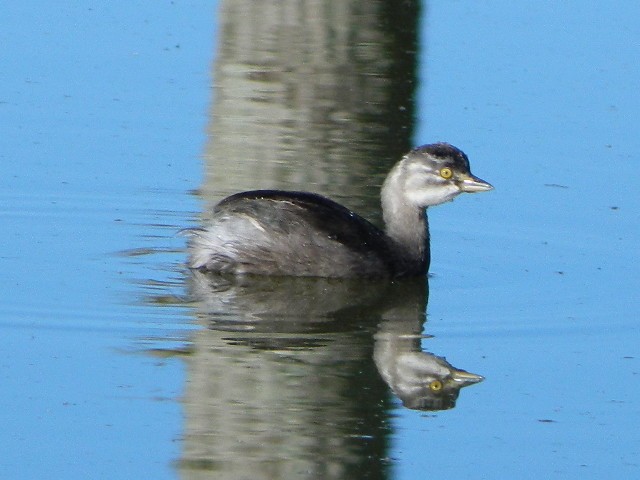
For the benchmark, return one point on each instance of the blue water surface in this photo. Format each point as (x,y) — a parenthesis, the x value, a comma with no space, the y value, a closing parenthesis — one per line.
(103,108)
(537,288)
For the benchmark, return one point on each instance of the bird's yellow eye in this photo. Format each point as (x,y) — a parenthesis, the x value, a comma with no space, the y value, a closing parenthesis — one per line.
(435,385)
(446,173)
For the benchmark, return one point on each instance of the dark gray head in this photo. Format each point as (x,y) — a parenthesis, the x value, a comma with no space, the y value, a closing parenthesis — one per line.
(433,174)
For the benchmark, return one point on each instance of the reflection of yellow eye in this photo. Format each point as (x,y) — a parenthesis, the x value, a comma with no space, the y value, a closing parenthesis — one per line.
(446,173)
(436,385)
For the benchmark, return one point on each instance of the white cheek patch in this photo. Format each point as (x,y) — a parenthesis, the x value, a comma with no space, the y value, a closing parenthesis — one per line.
(421,193)
(432,196)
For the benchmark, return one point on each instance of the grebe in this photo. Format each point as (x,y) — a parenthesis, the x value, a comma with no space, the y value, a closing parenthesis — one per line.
(272,232)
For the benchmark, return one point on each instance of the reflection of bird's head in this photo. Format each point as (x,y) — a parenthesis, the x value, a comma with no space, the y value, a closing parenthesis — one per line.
(428,382)
(433,174)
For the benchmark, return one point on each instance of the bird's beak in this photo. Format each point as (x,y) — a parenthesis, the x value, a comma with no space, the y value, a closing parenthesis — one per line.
(462,378)
(471,184)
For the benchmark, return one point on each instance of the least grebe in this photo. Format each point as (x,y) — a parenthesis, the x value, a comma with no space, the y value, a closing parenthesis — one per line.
(272,232)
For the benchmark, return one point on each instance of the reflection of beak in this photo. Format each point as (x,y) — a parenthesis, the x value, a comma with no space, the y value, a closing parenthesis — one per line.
(471,184)
(462,378)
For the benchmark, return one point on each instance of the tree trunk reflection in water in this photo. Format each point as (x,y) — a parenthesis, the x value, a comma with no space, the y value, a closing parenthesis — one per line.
(272,393)
(311,95)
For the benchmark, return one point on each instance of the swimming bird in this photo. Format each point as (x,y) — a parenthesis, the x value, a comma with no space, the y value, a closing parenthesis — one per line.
(273,232)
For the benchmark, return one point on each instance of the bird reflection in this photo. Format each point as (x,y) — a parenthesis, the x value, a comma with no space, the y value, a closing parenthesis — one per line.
(422,381)
(293,374)
(293,310)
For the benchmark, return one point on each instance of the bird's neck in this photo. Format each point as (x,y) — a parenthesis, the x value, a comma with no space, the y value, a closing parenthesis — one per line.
(408,227)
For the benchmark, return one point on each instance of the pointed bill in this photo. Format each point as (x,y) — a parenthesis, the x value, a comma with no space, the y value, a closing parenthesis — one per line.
(472,184)
(465,378)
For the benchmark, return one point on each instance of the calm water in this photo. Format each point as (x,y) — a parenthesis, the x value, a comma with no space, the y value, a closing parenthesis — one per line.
(118,363)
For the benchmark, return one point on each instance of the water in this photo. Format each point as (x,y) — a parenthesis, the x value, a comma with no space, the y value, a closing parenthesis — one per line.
(119,363)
